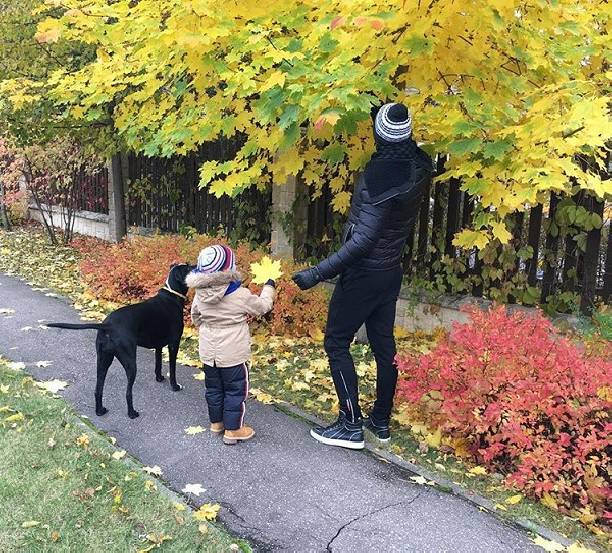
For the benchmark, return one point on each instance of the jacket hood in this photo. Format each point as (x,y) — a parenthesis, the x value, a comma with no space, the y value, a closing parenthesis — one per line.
(211,287)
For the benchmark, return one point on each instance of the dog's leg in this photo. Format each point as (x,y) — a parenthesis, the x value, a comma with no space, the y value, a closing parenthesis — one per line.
(127,357)
(173,351)
(158,365)
(104,362)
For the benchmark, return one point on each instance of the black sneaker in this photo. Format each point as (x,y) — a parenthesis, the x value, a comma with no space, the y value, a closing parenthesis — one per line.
(379,429)
(341,434)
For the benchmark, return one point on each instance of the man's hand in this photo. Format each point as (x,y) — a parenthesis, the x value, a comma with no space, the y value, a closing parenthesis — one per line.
(307,278)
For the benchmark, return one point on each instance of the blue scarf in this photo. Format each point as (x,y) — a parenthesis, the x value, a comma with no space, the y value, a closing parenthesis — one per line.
(233,287)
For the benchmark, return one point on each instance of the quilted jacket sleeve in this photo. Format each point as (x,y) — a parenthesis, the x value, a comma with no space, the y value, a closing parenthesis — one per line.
(366,232)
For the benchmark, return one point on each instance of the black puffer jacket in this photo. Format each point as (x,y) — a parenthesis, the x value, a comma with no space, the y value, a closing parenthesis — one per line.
(375,234)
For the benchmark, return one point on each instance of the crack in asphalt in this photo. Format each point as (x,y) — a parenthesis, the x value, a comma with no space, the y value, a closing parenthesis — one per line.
(361,517)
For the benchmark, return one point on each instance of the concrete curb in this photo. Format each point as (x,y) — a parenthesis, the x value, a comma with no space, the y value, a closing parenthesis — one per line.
(442,483)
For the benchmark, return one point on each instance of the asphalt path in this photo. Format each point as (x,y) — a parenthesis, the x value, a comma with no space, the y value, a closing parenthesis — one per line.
(282,491)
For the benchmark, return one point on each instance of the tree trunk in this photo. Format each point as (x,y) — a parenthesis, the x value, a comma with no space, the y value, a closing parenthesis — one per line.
(4,217)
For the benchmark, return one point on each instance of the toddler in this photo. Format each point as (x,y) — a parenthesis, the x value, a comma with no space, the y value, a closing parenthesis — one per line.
(219,311)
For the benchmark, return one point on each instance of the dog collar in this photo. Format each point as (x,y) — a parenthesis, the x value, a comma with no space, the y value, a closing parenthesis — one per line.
(168,288)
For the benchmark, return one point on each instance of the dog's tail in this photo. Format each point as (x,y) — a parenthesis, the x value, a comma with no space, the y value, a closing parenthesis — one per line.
(84,326)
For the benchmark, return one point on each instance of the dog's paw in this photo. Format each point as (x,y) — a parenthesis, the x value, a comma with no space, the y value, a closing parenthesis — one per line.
(160,378)
(102,411)
(177,387)
(133,414)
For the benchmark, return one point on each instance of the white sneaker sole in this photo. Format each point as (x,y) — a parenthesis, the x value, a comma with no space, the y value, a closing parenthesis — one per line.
(338,443)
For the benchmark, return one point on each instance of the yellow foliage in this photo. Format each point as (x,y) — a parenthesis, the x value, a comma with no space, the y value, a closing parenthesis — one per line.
(511,93)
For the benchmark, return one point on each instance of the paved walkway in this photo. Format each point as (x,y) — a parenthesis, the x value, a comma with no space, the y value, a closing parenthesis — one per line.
(282,491)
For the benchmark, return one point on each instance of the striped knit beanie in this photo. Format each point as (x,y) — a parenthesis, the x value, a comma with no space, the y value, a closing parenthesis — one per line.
(216,258)
(393,123)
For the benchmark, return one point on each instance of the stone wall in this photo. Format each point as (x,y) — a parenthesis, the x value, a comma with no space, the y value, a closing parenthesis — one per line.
(86,222)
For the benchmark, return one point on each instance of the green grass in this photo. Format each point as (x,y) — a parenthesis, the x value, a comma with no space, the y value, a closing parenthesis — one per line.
(59,493)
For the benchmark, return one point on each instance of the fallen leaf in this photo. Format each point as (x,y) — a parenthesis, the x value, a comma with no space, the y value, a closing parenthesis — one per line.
(43,364)
(195,489)
(51,443)
(16,366)
(299,386)
(501,507)
(261,396)
(55,536)
(4,388)
(549,501)
(514,499)
(82,440)
(265,270)
(577,548)
(547,545)
(199,376)
(118,454)
(52,386)
(30,524)
(25,328)
(6,311)
(478,470)
(203,528)
(15,418)
(193,430)
(316,334)
(155,470)
(208,511)
(180,507)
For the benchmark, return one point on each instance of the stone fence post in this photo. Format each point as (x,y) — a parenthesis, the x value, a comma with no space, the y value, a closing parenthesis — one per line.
(117,224)
(289,217)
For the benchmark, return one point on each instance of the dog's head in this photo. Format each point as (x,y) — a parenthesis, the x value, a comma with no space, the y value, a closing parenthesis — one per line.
(177,275)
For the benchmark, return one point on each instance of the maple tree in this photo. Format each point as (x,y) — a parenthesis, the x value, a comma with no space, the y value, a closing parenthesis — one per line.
(512,90)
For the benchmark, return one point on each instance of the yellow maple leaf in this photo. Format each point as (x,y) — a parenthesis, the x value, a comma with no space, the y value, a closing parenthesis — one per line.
(193,430)
(549,501)
(208,511)
(276,78)
(513,500)
(548,545)
(261,396)
(265,270)
(433,439)
(577,548)
(478,470)
(316,334)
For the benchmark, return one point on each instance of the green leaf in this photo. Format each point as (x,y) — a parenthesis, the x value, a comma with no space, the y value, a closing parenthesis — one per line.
(496,150)
(334,152)
(289,116)
(462,147)
(327,43)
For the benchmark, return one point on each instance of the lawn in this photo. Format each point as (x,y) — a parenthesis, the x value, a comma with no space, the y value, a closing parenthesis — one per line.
(64,487)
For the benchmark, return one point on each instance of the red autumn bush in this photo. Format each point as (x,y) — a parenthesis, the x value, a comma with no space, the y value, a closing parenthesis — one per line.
(533,405)
(137,268)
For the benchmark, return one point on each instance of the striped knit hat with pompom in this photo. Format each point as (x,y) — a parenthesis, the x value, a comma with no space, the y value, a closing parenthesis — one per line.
(393,123)
(216,258)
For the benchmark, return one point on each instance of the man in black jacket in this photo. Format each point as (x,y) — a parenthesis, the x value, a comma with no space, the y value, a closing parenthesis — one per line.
(385,204)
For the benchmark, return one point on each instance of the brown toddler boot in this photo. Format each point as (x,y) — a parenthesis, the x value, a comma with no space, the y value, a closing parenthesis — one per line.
(232,437)
(217,427)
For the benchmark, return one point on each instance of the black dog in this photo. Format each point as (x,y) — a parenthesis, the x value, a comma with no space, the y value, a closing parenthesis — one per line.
(152,324)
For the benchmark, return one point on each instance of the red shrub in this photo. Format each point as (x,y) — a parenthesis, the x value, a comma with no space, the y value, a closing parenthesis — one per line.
(533,405)
(136,268)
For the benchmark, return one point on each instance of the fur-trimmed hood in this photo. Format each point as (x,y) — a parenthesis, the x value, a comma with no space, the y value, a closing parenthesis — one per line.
(211,287)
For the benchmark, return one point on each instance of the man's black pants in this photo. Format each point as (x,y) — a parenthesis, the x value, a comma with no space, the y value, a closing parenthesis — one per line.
(370,297)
